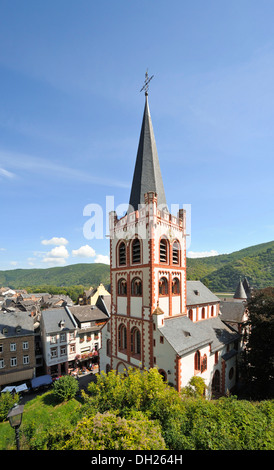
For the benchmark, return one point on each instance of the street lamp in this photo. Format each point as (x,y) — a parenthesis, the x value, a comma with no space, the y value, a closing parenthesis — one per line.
(15,418)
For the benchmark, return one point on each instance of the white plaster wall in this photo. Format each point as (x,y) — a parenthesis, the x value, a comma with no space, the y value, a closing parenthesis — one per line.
(136,306)
(176,304)
(122,305)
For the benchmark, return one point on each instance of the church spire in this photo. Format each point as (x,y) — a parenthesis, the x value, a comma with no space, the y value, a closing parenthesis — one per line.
(147,173)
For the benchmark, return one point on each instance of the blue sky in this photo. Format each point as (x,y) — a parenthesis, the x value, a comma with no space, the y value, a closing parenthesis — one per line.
(71,111)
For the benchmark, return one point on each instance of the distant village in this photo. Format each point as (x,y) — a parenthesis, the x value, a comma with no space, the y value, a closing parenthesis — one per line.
(48,335)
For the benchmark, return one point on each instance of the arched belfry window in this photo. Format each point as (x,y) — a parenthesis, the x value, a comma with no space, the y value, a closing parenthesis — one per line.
(163,250)
(136,286)
(122,254)
(135,342)
(122,287)
(176,251)
(175,286)
(163,286)
(122,337)
(136,251)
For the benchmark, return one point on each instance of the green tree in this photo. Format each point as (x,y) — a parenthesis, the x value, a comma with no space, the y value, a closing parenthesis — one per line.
(65,388)
(7,401)
(195,388)
(259,355)
(111,432)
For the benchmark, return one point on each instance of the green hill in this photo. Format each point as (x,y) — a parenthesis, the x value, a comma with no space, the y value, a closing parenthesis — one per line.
(222,272)
(73,275)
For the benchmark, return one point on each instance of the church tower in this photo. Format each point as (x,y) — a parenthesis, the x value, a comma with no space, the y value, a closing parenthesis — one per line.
(147,262)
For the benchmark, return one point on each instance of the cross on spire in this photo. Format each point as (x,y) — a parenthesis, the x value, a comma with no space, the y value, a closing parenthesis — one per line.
(146,84)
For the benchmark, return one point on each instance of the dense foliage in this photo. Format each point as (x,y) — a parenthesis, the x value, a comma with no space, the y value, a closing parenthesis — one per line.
(65,388)
(186,423)
(258,363)
(7,401)
(221,273)
(108,431)
(140,411)
(73,275)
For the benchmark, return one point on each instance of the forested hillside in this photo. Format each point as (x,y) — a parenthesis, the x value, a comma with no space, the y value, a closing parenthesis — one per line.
(72,275)
(220,273)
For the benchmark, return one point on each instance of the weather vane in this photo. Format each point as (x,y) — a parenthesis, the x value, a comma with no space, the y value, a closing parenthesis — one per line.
(147,80)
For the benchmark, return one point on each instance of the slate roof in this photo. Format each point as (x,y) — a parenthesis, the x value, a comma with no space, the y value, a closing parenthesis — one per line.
(11,320)
(53,317)
(147,173)
(186,336)
(240,292)
(232,311)
(197,293)
(85,313)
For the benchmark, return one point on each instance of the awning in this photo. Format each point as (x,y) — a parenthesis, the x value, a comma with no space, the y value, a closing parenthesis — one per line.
(19,388)
(40,381)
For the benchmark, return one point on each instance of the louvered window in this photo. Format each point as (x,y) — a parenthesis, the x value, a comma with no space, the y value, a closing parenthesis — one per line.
(175,253)
(122,254)
(136,251)
(163,251)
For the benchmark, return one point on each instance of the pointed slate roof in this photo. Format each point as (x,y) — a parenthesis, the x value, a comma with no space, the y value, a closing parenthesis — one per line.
(240,292)
(246,287)
(147,173)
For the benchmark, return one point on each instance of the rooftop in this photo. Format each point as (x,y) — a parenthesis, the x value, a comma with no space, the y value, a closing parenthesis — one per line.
(198,293)
(185,336)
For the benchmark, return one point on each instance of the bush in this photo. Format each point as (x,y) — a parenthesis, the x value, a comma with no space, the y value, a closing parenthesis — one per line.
(65,388)
(111,432)
(6,403)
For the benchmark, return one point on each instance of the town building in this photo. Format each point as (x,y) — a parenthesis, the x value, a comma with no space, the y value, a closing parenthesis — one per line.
(157,318)
(90,296)
(90,320)
(58,334)
(17,348)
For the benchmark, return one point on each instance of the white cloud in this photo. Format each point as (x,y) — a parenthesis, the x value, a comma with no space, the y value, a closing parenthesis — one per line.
(56,256)
(55,241)
(13,263)
(58,252)
(6,173)
(84,252)
(102,259)
(43,166)
(2,249)
(202,254)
